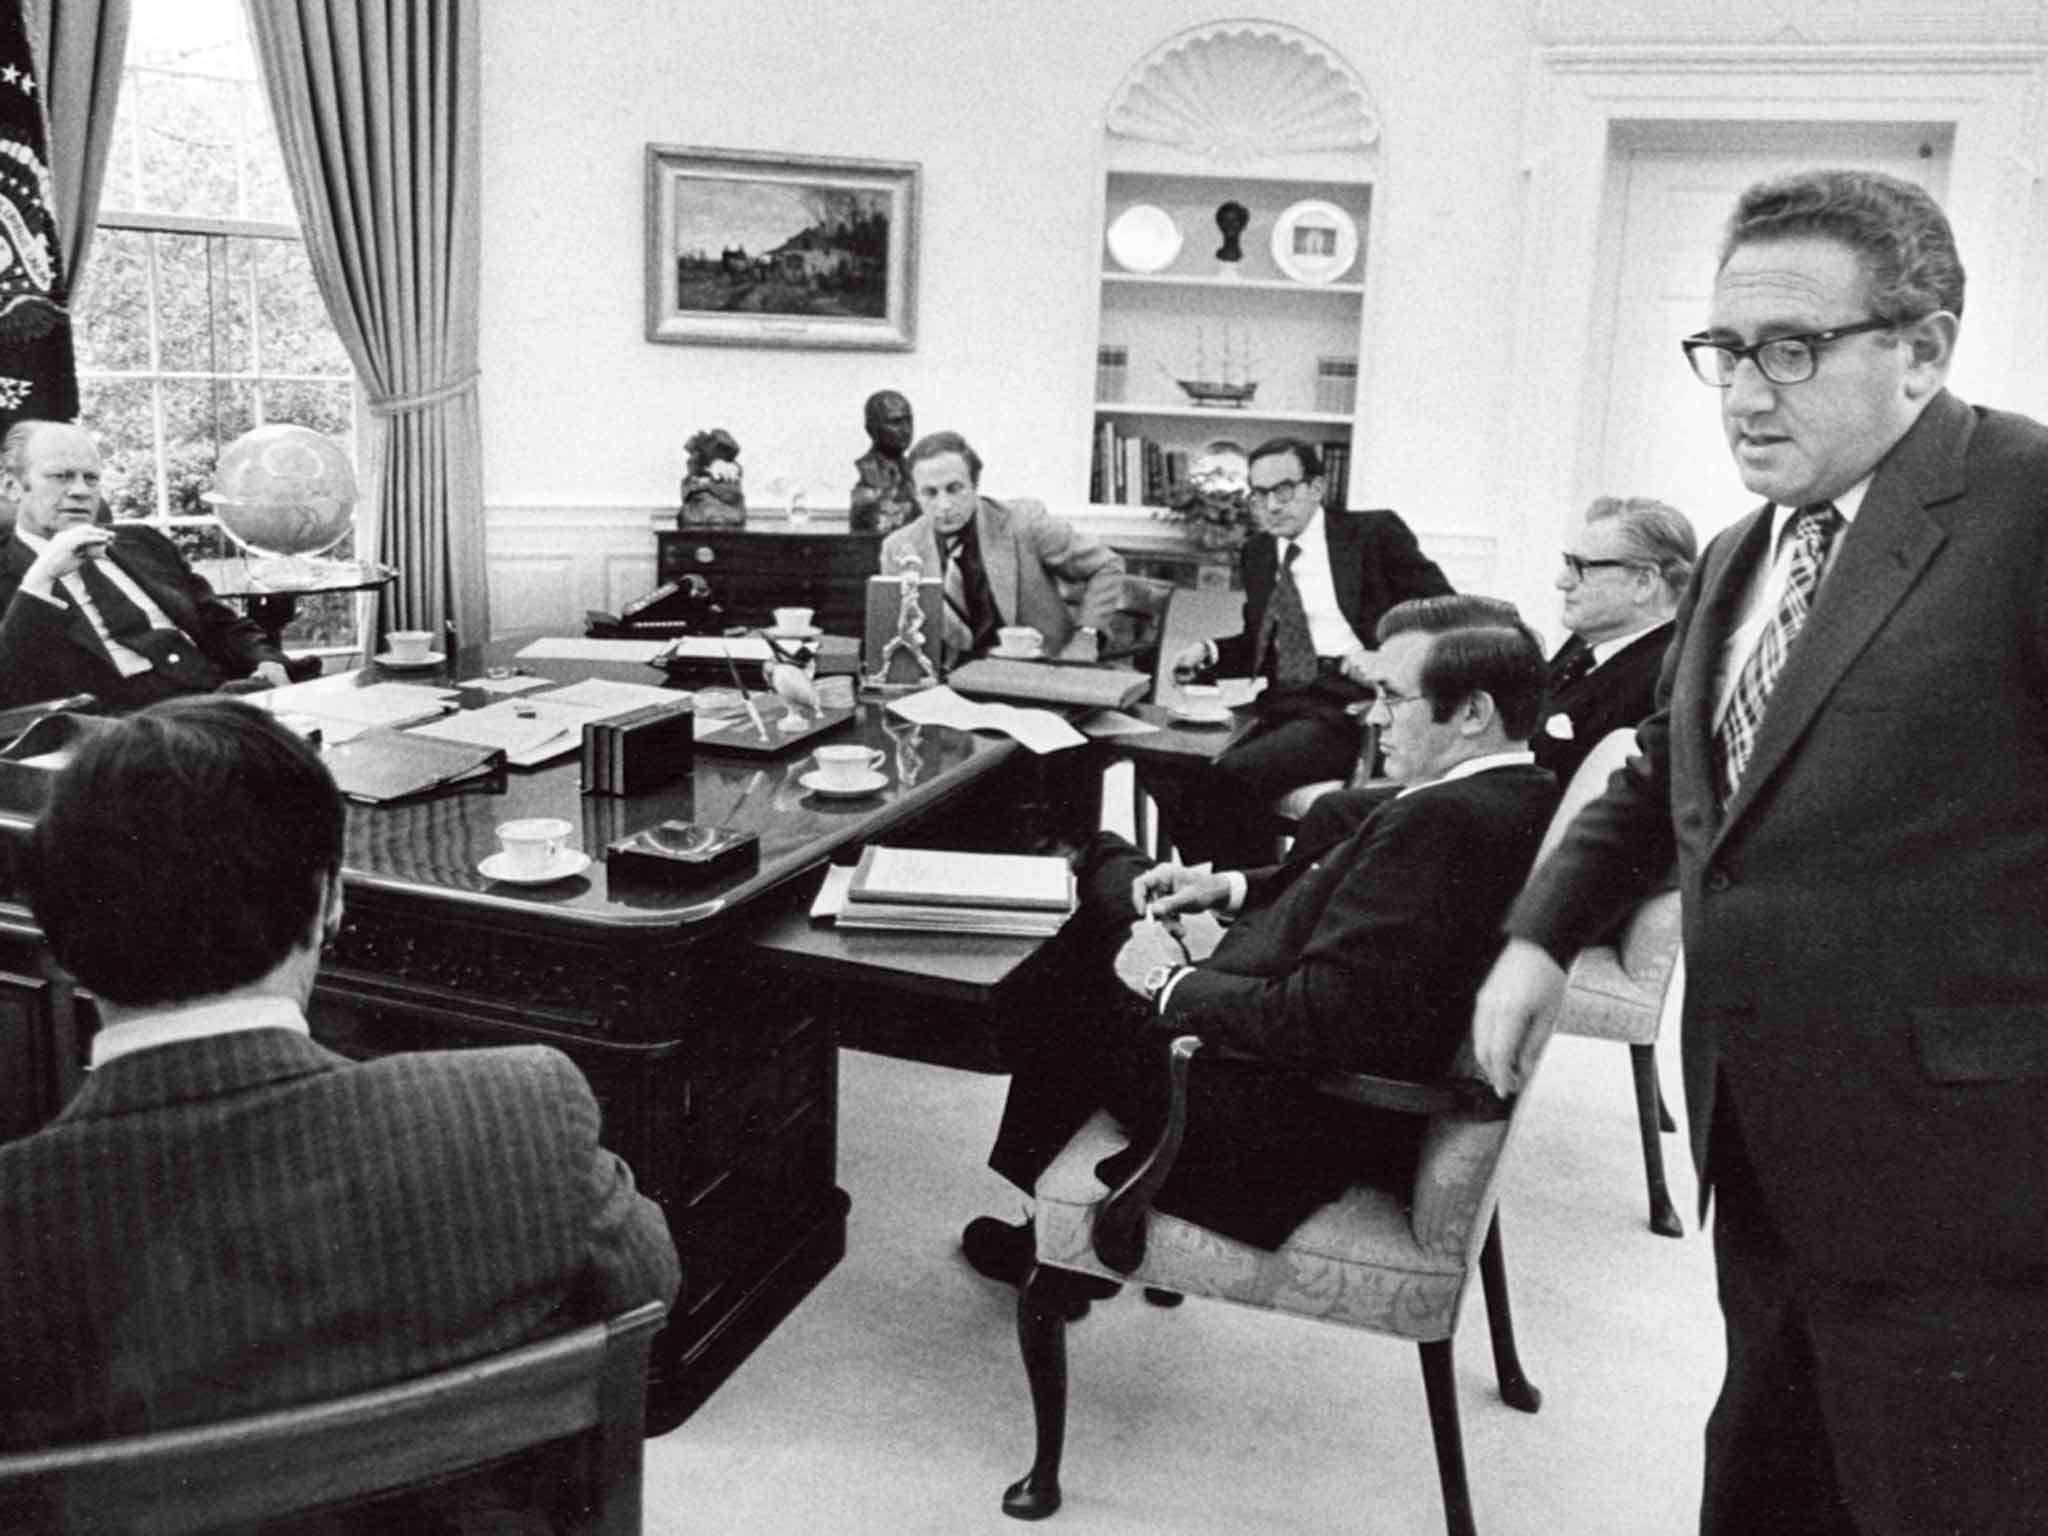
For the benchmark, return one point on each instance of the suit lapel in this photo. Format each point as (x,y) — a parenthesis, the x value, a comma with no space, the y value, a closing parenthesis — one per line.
(998,556)
(1881,555)
(77,627)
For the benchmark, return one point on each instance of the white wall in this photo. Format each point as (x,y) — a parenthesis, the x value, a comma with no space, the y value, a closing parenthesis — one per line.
(1002,102)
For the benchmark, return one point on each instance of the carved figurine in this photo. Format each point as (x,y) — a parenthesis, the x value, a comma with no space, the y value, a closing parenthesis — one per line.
(906,660)
(882,499)
(712,497)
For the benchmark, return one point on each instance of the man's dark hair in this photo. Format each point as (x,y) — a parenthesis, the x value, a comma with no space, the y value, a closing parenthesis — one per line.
(1477,645)
(1898,231)
(181,852)
(1305,454)
(933,444)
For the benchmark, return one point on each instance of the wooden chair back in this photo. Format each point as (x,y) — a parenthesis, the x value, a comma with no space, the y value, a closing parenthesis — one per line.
(589,1384)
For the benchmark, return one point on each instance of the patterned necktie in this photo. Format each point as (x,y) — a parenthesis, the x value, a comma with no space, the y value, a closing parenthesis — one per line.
(1812,531)
(967,588)
(1570,664)
(1286,646)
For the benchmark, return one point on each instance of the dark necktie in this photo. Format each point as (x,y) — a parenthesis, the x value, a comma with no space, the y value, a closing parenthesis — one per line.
(124,618)
(1287,651)
(1570,664)
(1812,532)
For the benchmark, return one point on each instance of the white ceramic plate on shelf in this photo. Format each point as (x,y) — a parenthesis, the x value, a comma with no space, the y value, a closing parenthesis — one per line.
(1314,241)
(1144,238)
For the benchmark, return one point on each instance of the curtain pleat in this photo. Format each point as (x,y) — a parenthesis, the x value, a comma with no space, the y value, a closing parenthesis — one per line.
(78,46)
(376,105)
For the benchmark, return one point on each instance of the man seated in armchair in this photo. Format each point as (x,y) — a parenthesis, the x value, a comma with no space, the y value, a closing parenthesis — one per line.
(1364,958)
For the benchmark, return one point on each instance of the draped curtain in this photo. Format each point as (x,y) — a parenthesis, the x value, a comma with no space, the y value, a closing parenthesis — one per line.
(78,46)
(376,106)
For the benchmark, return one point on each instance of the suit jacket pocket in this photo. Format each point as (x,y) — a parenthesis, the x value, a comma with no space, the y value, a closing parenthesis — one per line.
(1986,1043)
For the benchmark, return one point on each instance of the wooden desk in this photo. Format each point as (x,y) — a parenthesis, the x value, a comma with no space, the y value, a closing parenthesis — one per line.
(757,569)
(715,1066)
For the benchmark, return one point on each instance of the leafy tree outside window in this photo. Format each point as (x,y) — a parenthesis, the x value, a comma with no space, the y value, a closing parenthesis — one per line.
(198,318)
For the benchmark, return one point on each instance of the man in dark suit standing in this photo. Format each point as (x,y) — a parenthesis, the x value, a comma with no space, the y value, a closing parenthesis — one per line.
(1364,958)
(112,611)
(1850,760)
(1315,585)
(228,1217)
(1620,587)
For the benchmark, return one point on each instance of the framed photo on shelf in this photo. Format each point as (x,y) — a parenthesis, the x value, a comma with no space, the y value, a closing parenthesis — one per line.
(766,250)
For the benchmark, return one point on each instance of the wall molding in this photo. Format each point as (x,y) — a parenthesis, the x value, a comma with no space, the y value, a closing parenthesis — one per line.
(1781,23)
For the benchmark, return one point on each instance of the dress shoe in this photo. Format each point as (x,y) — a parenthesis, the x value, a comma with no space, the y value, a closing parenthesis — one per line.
(1005,1252)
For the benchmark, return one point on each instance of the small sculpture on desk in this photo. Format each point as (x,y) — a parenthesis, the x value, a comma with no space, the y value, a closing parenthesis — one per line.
(1232,219)
(905,661)
(881,500)
(712,497)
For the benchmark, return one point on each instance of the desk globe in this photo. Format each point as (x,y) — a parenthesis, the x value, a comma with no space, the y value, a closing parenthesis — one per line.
(286,493)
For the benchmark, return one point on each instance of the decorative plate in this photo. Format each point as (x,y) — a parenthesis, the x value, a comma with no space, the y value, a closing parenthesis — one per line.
(1144,238)
(1315,241)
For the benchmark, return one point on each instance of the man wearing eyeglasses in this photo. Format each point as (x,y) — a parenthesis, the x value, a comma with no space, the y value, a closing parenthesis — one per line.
(1850,761)
(1619,587)
(1362,957)
(1315,585)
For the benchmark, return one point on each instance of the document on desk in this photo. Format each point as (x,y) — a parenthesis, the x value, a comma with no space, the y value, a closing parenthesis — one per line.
(1100,723)
(1039,729)
(343,709)
(529,732)
(571,648)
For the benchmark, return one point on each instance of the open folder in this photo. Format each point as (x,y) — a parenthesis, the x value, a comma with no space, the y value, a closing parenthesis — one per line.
(380,766)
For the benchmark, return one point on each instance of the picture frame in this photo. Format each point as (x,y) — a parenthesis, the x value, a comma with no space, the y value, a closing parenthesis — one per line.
(752,249)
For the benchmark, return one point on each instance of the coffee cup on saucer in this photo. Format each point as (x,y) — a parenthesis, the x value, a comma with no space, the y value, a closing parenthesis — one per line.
(533,844)
(846,766)
(408,644)
(1019,640)
(792,620)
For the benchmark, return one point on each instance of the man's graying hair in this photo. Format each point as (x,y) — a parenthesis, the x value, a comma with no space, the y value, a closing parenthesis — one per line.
(1899,231)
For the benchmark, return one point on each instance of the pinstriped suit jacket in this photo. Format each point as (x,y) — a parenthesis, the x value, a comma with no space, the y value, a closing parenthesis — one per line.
(250,1220)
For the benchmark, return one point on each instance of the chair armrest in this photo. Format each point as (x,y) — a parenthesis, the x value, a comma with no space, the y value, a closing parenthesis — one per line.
(1119,1231)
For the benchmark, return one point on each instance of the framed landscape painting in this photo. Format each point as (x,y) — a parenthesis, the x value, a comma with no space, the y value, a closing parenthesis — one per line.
(765,250)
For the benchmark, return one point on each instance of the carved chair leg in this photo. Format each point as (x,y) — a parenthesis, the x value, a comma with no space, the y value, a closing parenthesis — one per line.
(1516,1390)
(1042,1340)
(1440,1383)
(1649,1106)
(1119,1232)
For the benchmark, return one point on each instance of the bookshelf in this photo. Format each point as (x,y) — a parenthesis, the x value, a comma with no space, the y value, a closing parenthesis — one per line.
(1200,318)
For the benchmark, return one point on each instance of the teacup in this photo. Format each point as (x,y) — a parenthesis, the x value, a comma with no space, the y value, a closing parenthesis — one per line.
(1019,640)
(844,767)
(793,618)
(409,644)
(532,844)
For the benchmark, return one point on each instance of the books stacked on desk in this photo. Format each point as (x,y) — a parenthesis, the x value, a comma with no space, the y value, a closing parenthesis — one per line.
(922,890)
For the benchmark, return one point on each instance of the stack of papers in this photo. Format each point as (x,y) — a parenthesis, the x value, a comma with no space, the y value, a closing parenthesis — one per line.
(342,708)
(922,891)
(545,726)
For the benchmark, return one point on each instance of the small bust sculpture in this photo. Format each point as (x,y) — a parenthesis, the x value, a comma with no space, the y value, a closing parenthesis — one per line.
(882,499)
(712,497)
(1232,218)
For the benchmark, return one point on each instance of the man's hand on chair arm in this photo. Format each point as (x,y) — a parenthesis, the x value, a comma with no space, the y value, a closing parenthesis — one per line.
(1524,986)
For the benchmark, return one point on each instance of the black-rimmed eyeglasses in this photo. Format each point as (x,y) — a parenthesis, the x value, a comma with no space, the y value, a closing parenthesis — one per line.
(1578,565)
(1780,359)
(1284,491)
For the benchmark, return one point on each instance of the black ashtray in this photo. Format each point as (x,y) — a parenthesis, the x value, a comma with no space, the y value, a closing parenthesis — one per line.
(684,851)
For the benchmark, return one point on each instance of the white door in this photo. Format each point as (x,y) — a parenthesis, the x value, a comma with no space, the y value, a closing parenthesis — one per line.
(1657,432)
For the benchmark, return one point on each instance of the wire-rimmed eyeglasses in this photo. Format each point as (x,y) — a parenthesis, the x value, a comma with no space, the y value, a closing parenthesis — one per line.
(1780,359)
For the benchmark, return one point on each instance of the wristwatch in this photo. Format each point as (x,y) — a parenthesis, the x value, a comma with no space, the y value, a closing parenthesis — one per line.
(1157,978)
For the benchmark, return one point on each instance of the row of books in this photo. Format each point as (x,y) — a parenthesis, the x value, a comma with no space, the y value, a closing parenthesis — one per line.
(1131,470)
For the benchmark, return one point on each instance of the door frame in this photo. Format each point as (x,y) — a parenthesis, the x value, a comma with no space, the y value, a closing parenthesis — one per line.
(1584,101)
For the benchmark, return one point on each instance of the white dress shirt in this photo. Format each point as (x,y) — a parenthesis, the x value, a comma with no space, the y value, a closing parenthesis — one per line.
(1327,626)
(173,1026)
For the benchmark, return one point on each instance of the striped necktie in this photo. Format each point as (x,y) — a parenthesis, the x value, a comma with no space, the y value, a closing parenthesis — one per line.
(1812,532)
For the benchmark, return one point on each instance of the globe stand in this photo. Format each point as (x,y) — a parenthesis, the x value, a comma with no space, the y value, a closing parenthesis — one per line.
(288,573)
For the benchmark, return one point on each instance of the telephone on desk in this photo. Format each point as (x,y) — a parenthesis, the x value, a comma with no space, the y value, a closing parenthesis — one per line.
(684,606)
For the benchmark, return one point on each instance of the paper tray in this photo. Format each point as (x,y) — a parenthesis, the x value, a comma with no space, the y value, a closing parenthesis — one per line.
(740,739)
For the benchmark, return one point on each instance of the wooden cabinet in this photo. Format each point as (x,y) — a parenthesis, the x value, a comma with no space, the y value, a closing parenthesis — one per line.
(753,571)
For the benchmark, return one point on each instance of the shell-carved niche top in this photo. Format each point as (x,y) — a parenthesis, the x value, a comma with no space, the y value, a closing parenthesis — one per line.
(1240,90)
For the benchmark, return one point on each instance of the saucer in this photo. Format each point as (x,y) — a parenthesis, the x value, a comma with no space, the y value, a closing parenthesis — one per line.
(1199,714)
(411,663)
(869,782)
(1036,654)
(807,632)
(572,861)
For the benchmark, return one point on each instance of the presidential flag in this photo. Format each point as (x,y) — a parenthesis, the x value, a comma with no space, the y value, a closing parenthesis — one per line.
(38,376)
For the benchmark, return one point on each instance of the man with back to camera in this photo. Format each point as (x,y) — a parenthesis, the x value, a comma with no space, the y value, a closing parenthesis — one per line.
(228,1217)
(1362,958)
(1315,582)
(114,611)
(1850,760)
(1002,561)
